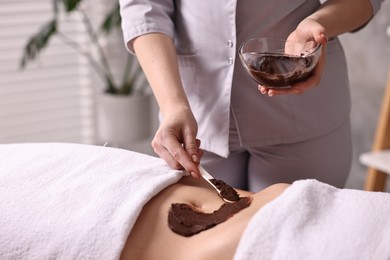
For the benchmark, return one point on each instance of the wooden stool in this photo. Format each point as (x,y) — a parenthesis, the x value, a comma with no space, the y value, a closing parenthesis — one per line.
(378,160)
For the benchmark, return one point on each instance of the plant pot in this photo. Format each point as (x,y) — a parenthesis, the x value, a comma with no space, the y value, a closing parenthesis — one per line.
(123,120)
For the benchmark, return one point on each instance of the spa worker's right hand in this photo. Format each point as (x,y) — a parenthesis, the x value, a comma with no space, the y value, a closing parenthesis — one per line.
(175,141)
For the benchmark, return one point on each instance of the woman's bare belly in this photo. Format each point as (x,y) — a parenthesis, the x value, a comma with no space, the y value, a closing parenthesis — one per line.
(151,237)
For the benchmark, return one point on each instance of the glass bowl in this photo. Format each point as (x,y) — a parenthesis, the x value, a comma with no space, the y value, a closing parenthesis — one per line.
(276,63)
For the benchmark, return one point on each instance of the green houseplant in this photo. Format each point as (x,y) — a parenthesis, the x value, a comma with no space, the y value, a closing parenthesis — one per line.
(40,40)
(123,107)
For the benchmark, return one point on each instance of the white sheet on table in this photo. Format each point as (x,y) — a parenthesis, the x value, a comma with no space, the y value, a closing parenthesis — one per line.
(312,220)
(73,201)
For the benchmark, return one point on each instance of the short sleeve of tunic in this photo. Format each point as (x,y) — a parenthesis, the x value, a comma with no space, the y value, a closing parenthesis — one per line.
(141,17)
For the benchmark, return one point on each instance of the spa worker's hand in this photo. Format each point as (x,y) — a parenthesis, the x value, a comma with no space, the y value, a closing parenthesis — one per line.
(333,17)
(307,30)
(175,140)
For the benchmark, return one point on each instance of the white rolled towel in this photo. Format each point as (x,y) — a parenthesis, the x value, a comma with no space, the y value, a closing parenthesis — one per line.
(73,201)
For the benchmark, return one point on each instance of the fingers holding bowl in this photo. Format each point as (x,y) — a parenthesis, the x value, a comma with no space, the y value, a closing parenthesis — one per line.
(277,65)
(299,87)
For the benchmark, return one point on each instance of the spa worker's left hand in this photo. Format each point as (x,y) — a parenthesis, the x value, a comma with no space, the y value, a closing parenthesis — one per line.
(307,30)
(333,17)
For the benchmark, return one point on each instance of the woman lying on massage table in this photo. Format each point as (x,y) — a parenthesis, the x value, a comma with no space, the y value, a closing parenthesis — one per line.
(151,238)
(73,201)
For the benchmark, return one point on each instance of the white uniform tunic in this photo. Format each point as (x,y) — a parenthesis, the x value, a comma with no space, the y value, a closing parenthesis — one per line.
(207,35)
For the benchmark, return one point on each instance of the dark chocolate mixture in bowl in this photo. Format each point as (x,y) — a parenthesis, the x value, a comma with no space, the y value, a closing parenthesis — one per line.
(277,63)
(280,71)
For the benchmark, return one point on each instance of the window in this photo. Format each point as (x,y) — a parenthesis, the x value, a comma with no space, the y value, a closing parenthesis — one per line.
(52,100)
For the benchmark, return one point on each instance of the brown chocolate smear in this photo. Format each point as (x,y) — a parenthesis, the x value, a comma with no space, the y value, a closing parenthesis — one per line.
(227,192)
(187,220)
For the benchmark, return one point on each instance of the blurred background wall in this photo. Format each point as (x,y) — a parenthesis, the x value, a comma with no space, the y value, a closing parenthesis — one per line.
(53,99)
(368,57)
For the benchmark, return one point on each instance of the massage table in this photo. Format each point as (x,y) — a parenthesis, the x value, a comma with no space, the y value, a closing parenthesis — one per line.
(75,201)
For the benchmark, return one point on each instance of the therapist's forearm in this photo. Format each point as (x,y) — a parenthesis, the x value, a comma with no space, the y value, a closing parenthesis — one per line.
(341,16)
(157,55)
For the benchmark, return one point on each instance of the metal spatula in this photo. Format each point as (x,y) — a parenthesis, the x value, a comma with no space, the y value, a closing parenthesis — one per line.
(227,193)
